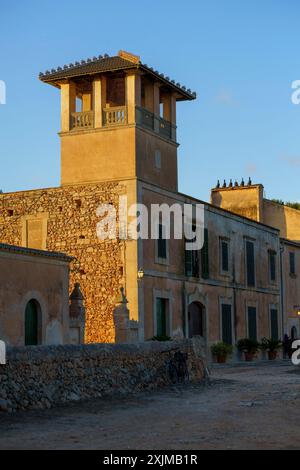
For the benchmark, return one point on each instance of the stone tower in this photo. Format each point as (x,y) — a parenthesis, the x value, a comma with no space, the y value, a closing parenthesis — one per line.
(117,116)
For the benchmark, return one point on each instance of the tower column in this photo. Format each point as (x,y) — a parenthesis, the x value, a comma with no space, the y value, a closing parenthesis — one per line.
(133,96)
(68,104)
(99,100)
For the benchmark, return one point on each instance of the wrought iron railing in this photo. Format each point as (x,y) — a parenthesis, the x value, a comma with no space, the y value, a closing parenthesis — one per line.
(145,118)
(115,116)
(82,120)
(165,128)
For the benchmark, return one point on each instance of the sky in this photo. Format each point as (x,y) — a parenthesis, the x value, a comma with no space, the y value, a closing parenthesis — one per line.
(241,58)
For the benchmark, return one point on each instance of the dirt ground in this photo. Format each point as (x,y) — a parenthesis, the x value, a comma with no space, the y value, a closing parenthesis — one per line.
(244,407)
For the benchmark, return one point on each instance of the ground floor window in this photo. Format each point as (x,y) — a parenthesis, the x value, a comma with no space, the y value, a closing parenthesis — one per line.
(226,323)
(161,317)
(252,323)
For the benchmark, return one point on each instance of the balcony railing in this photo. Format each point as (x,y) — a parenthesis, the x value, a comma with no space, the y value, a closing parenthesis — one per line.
(82,120)
(149,120)
(115,116)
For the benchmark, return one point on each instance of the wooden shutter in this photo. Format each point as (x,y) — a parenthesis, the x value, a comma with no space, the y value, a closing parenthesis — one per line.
(205,256)
(272,261)
(252,323)
(161,244)
(161,317)
(31,324)
(226,324)
(225,255)
(250,264)
(292,263)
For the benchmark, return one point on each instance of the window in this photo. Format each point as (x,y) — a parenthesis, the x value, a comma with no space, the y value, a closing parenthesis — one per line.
(161,317)
(192,263)
(224,247)
(272,265)
(157,159)
(205,256)
(274,323)
(226,323)
(292,263)
(161,243)
(250,263)
(252,323)
(32,323)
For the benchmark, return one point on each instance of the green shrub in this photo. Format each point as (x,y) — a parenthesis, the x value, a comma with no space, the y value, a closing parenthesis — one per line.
(221,349)
(248,345)
(161,338)
(270,344)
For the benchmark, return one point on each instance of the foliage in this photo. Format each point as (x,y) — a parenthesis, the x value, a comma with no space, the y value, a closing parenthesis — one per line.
(248,345)
(292,205)
(270,344)
(222,349)
(161,338)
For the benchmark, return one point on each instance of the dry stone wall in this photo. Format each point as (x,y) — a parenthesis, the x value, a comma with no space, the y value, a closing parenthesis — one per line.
(44,376)
(71,229)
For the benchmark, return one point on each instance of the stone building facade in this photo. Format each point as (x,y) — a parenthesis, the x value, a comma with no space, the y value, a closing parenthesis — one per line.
(249,200)
(34,296)
(122,142)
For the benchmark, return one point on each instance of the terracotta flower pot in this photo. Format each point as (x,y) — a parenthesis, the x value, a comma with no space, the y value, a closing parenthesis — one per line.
(249,357)
(272,355)
(221,359)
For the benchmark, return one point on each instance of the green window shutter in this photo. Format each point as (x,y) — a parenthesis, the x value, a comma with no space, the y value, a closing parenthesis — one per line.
(205,256)
(272,258)
(161,317)
(274,324)
(225,255)
(31,324)
(250,264)
(188,262)
(252,323)
(226,324)
(161,244)
(292,263)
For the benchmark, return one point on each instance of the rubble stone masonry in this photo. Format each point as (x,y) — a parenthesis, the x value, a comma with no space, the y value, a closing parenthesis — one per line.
(64,219)
(44,376)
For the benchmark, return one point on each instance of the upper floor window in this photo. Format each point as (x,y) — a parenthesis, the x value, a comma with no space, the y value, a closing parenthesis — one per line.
(292,263)
(192,263)
(205,256)
(250,264)
(272,265)
(161,244)
(224,250)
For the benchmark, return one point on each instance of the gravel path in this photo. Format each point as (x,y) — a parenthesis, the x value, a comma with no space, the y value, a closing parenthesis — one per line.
(244,407)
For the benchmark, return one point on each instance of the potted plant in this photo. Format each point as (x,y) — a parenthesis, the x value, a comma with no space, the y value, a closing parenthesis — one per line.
(249,347)
(271,346)
(221,351)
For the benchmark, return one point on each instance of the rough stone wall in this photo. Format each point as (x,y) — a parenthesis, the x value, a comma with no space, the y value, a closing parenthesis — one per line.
(71,229)
(44,376)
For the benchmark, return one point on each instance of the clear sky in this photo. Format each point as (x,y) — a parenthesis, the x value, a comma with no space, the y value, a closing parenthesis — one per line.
(241,57)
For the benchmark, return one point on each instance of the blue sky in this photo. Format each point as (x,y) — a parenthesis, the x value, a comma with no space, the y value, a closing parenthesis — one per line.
(240,56)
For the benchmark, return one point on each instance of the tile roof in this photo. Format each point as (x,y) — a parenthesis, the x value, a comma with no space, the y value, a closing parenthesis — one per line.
(32,252)
(106,63)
